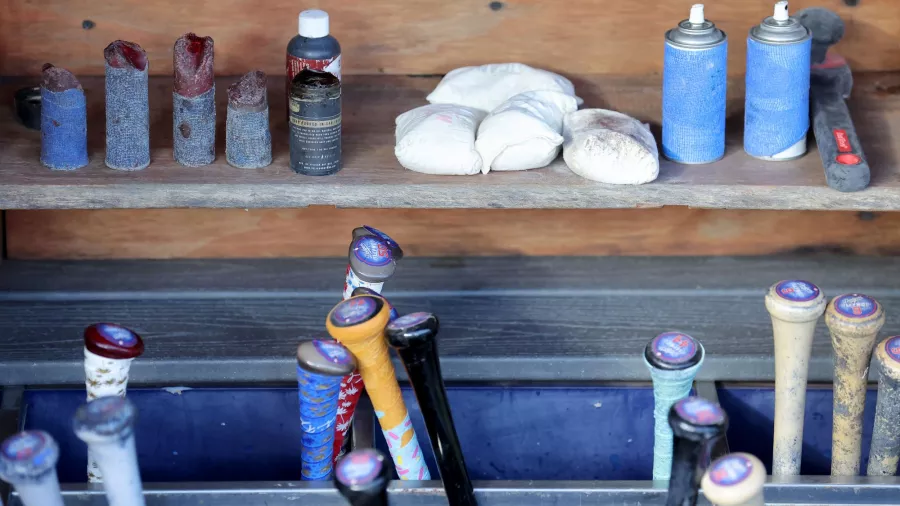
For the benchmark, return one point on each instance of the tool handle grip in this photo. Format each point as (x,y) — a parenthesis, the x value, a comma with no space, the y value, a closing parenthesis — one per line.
(846,167)
(318,410)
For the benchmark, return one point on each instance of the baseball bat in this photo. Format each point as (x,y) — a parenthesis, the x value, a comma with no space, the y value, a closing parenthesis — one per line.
(885,449)
(107,426)
(673,359)
(109,350)
(362,478)
(362,290)
(28,463)
(854,321)
(696,424)
(795,306)
(358,323)
(414,338)
(372,259)
(320,367)
(736,479)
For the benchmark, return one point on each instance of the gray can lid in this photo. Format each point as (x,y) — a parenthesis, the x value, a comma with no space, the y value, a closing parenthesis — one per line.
(772,31)
(695,35)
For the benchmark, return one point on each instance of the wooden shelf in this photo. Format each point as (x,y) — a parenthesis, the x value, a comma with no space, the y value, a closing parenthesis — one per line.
(372,177)
(502,319)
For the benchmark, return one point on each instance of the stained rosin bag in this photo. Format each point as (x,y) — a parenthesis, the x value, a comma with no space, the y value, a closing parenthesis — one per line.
(610,147)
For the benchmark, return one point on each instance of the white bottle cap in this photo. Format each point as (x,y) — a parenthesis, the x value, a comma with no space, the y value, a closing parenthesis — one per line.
(781,11)
(313,24)
(697,14)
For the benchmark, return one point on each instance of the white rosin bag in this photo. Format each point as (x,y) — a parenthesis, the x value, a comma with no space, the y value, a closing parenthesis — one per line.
(439,139)
(525,132)
(487,86)
(609,147)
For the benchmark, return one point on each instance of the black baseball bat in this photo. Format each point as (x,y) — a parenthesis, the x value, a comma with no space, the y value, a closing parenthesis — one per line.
(696,424)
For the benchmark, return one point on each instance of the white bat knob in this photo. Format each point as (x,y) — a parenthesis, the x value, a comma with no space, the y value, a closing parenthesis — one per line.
(28,463)
(736,479)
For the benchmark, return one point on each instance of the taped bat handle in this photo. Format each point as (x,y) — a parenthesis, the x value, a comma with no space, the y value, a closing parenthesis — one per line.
(320,367)
(854,321)
(414,338)
(673,359)
(696,424)
(359,323)
(794,306)
(885,449)
(28,463)
(362,477)
(736,479)
(107,426)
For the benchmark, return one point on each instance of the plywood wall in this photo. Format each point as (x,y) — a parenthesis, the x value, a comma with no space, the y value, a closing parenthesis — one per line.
(411,36)
(321,231)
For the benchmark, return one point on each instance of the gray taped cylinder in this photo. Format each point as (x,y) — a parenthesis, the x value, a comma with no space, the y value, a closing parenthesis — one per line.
(127,119)
(248,142)
(194,130)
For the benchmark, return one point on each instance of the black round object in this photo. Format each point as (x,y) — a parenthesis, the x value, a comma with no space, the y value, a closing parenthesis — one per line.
(362,477)
(28,107)
(414,329)
(697,419)
(673,351)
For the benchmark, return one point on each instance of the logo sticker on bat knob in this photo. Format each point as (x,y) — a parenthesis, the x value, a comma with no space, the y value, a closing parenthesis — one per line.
(892,347)
(674,347)
(797,290)
(699,411)
(24,445)
(333,351)
(116,334)
(409,320)
(372,251)
(353,311)
(855,305)
(359,467)
(730,470)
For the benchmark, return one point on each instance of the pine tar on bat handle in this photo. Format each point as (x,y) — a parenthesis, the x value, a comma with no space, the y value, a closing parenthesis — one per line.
(28,463)
(362,477)
(736,479)
(696,424)
(413,336)
(854,321)
(885,449)
(794,306)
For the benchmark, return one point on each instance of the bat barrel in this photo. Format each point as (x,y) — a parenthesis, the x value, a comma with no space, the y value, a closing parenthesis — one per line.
(794,306)
(362,477)
(736,479)
(107,426)
(696,423)
(885,449)
(28,463)
(414,338)
(854,321)
(320,367)
(673,359)
(359,323)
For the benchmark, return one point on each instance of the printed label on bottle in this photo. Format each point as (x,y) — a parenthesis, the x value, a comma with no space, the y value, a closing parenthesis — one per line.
(730,470)
(699,411)
(333,351)
(892,347)
(359,468)
(797,290)
(855,305)
(674,347)
(295,65)
(353,311)
(315,136)
(117,335)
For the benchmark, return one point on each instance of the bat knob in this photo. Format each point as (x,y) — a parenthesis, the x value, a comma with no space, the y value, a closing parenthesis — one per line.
(734,479)
(673,351)
(415,330)
(887,353)
(109,340)
(391,243)
(326,357)
(355,311)
(372,259)
(854,315)
(365,290)
(27,456)
(362,477)
(107,419)
(697,419)
(795,301)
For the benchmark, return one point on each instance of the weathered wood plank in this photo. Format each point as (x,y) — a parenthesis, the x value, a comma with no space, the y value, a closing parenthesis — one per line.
(258,233)
(373,178)
(428,36)
(502,319)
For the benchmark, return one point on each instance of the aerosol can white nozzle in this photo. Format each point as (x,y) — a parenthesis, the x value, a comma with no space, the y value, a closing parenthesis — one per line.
(781,11)
(697,14)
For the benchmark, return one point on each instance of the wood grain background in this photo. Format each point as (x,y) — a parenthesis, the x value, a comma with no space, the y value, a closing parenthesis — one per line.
(410,37)
(324,231)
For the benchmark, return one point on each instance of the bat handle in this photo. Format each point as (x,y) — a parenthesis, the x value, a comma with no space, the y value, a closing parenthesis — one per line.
(846,167)
(362,477)
(885,449)
(28,463)
(696,423)
(318,412)
(414,338)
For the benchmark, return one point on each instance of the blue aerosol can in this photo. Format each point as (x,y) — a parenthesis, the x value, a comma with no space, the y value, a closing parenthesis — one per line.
(694,84)
(776,117)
